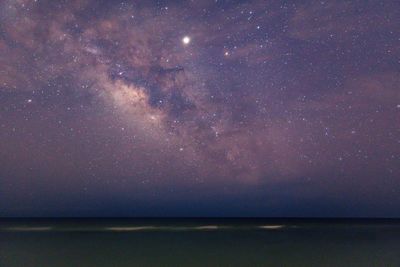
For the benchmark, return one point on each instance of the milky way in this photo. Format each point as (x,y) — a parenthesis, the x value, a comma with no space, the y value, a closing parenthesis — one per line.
(137,108)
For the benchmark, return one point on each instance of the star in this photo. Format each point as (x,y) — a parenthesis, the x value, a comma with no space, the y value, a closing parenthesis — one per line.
(186,40)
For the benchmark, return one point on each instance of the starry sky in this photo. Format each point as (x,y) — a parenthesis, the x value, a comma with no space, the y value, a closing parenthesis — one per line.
(199,108)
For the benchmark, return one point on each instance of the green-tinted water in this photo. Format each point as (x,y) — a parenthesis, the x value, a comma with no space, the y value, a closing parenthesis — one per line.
(194,243)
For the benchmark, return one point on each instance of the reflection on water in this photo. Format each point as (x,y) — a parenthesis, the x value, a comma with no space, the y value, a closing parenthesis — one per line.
(215,242)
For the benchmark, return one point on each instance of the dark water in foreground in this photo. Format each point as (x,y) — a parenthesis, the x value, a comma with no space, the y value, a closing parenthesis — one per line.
(194,242)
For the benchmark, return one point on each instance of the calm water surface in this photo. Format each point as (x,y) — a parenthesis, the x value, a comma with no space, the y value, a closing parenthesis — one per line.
(191,242)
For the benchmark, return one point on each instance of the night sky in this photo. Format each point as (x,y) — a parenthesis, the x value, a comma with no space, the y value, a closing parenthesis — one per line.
(199,108)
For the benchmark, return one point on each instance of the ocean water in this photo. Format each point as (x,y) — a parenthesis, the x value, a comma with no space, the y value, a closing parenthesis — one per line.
(198,242)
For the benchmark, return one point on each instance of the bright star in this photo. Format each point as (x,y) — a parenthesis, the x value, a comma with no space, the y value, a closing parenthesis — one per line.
(186,40)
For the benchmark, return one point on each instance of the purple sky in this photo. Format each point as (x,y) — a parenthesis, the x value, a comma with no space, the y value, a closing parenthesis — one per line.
(199,108)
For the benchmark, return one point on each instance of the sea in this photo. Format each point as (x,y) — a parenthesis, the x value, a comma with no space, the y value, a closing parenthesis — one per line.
(99,242)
